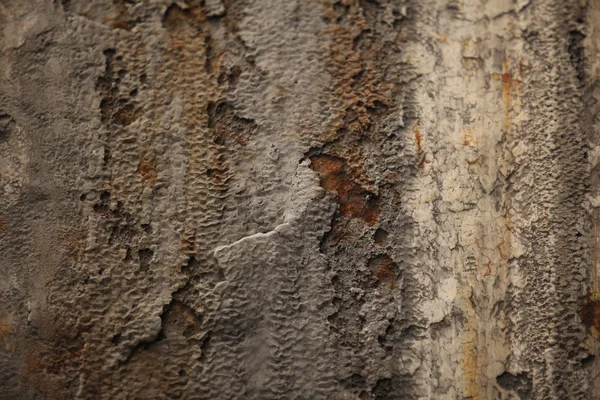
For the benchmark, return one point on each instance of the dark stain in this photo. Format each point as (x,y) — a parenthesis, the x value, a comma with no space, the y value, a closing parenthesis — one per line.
(118,111)
(519,383)
(145,256)
(576,53)
(114,108)
(7,125)
(387,389)
(356,383)
(387,339)
(381,236)
(191,265)
(590,316)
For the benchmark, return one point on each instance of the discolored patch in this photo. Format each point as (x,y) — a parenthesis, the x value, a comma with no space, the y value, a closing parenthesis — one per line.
(354,200)
(5,329)
(118,111)
(590,316)
(418,138)
(519,383)
(384,270)
(147,168)
(182,318)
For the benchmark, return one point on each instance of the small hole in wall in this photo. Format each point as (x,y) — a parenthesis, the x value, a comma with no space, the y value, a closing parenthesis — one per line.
(380,236)
(116,338)
(145,256)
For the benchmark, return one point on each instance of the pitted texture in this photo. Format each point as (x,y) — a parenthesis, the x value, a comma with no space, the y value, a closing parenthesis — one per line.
(305,199)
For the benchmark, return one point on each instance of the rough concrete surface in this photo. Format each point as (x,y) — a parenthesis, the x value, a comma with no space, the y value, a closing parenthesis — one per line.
(299,199)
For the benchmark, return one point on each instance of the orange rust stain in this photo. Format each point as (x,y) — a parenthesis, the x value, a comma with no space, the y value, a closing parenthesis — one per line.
(354,200)
(467,138)
(147,168)
(418,138)
(442,38)
(508,83)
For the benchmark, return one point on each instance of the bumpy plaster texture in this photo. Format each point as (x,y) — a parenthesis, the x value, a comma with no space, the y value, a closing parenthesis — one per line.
(299,199)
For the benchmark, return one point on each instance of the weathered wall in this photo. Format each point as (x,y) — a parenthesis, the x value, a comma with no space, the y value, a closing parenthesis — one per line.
(299,199)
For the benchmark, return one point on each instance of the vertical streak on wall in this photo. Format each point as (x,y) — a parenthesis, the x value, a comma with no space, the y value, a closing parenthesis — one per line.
(590,66)
(460,208)
(549,192)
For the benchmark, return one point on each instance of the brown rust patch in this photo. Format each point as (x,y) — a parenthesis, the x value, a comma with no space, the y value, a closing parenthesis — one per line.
(147,168)
(354,200)
(53,368)
(5,329)
(118,111)
(590,315)
(384,270)
(358,83)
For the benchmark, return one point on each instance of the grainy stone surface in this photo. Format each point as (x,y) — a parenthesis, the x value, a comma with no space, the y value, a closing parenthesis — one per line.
(299,199)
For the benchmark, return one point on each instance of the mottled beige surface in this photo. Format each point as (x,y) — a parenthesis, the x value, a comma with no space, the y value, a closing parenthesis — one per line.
(299,199)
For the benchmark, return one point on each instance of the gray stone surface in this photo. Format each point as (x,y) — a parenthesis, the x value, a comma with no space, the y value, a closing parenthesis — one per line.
(299,199)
